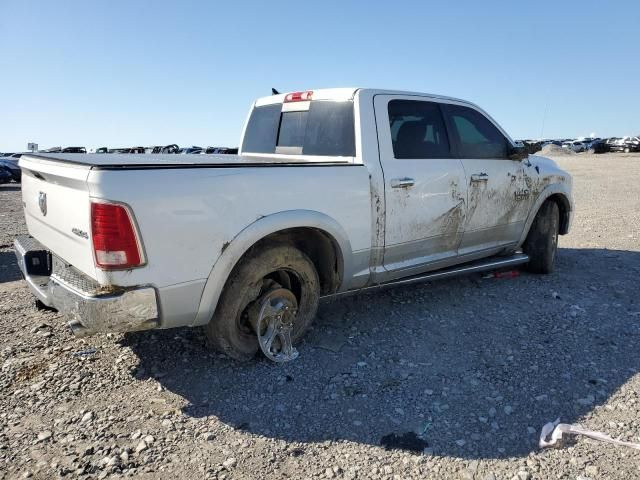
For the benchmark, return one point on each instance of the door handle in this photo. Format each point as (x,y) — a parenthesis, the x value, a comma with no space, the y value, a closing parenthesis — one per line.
(479,177)
(404,182)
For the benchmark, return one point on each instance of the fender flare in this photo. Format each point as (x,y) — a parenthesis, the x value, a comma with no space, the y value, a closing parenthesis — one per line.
(549,190)
(255,232)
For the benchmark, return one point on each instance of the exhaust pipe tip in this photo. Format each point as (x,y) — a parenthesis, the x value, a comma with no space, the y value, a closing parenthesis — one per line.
(77,328)
(40,305)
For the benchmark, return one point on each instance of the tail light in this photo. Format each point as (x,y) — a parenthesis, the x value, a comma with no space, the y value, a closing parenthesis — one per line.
(298,97)
(115,241)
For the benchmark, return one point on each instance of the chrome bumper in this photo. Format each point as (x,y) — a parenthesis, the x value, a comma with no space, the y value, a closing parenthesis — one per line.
(90,307)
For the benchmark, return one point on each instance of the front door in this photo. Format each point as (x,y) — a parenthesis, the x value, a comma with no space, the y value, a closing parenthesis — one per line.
(425,187)
(496,190)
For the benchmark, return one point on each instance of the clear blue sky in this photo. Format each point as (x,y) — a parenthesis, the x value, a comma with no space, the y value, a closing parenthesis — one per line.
(124,73)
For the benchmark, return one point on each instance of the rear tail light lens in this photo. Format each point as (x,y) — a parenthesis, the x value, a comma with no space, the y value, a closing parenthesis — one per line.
(115,242)
(298,97)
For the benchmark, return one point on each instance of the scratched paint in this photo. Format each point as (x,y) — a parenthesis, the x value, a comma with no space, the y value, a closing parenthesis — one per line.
(502,199)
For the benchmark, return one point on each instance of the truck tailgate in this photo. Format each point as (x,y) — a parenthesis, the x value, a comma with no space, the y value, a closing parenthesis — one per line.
(56,203)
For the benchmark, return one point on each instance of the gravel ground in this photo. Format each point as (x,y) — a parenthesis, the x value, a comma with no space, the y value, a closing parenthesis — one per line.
(474,366)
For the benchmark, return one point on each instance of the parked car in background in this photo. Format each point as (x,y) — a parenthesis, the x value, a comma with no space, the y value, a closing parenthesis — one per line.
(121,150)
(333,191)
(10,164)
(626,145)
(220,151)
(575,145)
(190,150)
(140,150)
(5,175)
(588,142)
(127,150)
(171,148)
(599,146)
(74,150)
(65,150)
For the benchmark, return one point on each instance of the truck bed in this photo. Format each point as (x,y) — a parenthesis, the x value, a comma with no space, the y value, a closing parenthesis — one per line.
(181,205)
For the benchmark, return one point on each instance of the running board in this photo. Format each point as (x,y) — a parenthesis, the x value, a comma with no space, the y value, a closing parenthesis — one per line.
(492,263)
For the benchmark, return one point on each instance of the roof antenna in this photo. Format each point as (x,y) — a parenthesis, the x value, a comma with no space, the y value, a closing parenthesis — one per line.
(274,91)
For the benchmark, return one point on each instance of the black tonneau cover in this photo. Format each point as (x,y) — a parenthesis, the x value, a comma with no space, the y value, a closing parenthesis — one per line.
(105,161)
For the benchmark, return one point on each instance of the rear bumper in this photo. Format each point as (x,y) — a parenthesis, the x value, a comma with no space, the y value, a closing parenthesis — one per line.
(90,307)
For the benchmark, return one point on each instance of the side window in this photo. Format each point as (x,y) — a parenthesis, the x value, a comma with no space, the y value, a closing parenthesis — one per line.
(417,130)
(475,135)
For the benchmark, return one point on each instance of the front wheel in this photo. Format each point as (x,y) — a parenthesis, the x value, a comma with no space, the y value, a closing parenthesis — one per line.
(542,241)
(268,303)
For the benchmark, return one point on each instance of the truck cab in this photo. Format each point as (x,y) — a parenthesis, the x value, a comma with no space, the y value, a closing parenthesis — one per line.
(447,182)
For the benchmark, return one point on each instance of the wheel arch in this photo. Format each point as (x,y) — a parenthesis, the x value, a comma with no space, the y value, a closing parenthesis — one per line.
(321,248)
(314,233)
(555,193)
(565,211)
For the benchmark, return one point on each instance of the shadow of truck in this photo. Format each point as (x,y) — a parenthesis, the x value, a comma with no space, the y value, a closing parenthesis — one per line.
(474,366)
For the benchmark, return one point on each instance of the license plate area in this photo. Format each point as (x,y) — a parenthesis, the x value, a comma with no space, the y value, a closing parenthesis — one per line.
(37,263)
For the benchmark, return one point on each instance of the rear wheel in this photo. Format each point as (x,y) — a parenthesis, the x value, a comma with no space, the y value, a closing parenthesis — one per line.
(268,302)
(542,241)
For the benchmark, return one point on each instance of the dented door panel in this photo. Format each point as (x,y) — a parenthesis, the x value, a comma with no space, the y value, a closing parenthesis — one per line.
(425,223)
(497,195)
(425,204)
(498,204)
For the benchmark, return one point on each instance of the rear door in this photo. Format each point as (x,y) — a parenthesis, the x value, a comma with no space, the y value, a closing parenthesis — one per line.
(496,190)
(425,188)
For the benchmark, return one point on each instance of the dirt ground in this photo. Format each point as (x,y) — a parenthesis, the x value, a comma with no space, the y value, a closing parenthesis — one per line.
(474,366)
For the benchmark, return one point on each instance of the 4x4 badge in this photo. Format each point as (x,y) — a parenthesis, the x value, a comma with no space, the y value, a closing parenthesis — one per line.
(42,202)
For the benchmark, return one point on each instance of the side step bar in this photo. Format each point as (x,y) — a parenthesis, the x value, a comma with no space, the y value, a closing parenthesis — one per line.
(492,263)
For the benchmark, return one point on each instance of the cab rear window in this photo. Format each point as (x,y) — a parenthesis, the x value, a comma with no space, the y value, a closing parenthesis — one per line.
(326,129)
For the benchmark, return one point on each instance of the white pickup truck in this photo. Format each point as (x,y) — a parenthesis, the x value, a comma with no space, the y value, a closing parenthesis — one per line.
(333,191)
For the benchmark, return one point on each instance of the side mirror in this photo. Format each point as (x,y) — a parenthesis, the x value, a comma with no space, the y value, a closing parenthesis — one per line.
(518,152)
